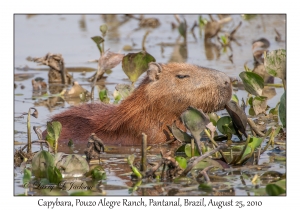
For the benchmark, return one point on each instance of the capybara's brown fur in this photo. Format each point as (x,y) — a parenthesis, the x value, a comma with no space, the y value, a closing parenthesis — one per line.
(160,99)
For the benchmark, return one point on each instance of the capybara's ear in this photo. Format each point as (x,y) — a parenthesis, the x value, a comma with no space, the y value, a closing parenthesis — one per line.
(153,71)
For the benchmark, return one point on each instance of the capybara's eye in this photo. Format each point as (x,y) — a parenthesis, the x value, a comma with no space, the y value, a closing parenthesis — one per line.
(182,76)
(226,83)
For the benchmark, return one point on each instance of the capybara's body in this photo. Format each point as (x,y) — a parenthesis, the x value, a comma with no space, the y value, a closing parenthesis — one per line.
(160,99)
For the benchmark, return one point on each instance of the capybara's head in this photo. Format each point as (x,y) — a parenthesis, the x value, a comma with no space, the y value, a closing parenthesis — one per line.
(182,85)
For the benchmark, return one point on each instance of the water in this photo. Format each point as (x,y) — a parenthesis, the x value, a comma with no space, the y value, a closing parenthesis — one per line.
(70,36)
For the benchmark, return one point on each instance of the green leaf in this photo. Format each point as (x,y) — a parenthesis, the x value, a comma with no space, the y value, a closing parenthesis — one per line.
(207,162)
(251,147)
(53,133)
(54,175)
(134,64)
(40,162)
(180,135)
(97,39)
(274,111)
(26,177)
(225,121)
(103,96)
(182,29)
(206,187)
(181,161)
(187,150)
(213,117)
(282,109)
(253,83)
(81,193)
(248,16)
(130,159)
(275,63)
(117,97)
(98,173)
(202,22)
(103,29)
(274,190)
(251,111)
(195,120)
(235,98)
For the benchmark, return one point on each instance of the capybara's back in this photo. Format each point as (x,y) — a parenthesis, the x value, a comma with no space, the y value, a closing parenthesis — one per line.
(160,99)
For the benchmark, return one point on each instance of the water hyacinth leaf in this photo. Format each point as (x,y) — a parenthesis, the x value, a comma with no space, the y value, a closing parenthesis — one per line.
(124,89)
(281,183)
(26,176)
(225,121)
(235,98)
(134,64)
(238,116)
(72,165)
(109,60)
(280,158)
(103,29)
(130,159)
(255,142)
(97,39)
(227,129)
(253,83)
(180,135)
(274,190)
(187,150)
(181,161)
(40,162)
(54,129)
(103,96)
(213,117)
(53,133)
(98,173)
(207,187)
(208,162)
(54,175)
(282,109)
(182,29)
(250,101)
(275,63)
(274,111)
(259,104)
(81,193)
(251,111)
(117,97)
(195,120)
(251,147)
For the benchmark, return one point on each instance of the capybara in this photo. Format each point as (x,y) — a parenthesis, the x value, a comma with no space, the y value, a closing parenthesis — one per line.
(160,99)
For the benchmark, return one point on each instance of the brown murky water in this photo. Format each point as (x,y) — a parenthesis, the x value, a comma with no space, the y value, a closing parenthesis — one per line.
(70,35)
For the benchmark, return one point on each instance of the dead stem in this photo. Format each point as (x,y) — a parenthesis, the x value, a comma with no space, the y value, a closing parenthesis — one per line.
(38,141)
(254,127)
(144,153)
(202,157)
(204,173)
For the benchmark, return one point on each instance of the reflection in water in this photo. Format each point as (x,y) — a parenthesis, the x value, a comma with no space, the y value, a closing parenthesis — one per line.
(82,23)
(180,52)
(212,50)
(51,103)
(113,24)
